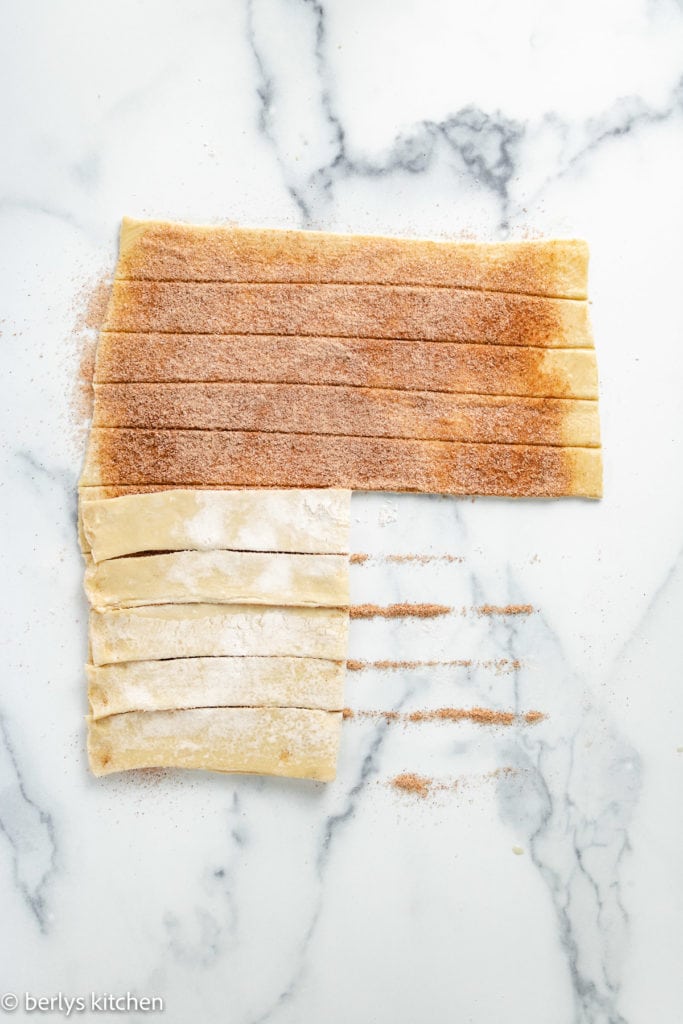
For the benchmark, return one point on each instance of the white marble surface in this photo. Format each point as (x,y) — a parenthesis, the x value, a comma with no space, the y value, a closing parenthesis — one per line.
(248,900)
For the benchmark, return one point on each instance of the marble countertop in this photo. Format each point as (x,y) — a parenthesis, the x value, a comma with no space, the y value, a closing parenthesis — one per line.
(540,881)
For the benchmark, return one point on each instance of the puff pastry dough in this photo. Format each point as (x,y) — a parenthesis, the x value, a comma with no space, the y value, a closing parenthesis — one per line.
(119,456)
(344,310)
(360,362)
(310,521)
(235,358)
(219,577)
(207,630)
(163,250)
(357,412)
(295,742)
(215,682)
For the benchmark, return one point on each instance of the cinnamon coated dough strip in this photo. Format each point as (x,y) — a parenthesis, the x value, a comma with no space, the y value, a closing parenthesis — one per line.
(215,682)
(210,630)
(362,412)
(230,458)
(348,310)
(294,742)
(360,362)
(159,250)
(219,577)
(308,521)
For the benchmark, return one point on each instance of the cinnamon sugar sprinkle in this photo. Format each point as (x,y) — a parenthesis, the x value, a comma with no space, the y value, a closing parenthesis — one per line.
(498,665)
(508,609)
(422,786)
(360,559)
(476,715)
(89,308)
(398,611)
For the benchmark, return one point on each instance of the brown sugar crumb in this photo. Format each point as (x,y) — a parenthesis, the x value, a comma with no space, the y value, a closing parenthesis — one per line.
(532,717)
(358,559)
(398,611)
(348,713)
(507,609)
(409,782)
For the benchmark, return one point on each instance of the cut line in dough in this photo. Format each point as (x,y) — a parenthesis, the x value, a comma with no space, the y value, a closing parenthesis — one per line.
(293,742)
(312,522)
(215,682)
(208,630)
(219,577)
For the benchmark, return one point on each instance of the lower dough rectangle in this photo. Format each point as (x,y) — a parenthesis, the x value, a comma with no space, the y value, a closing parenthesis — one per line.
(271,741)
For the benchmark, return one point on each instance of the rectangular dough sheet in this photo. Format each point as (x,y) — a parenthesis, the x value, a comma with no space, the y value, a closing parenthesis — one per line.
(313,522)
(219,577)
(230,458)
(360,362)
(359,412)
(209,630)
(344,310)
(294,742)
(215,682)
(163,250)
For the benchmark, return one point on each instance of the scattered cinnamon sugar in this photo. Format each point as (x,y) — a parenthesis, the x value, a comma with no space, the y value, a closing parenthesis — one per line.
(358,559)
(476,715)
(499,665)
(95,309)
(508,609)
(481,716)
(360,666)
(424,559)
(423,786)
(90,306)
(398,611)
(409,782)
(84,395)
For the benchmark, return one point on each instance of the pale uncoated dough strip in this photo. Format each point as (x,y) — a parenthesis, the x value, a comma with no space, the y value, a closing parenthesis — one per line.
(219,577)
(209,630)
(294,742)
(308,521)
(231,458)
(374,311)
(362,412)
(215,682)
(162,250)
(359,362)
